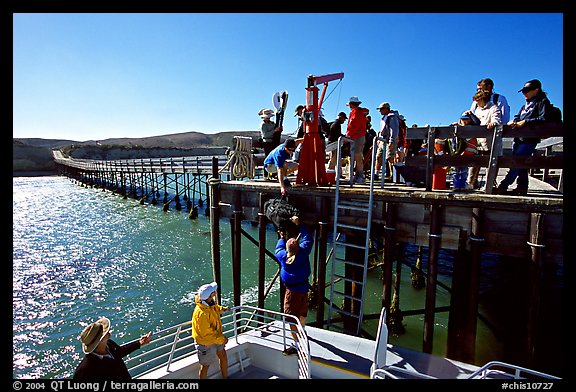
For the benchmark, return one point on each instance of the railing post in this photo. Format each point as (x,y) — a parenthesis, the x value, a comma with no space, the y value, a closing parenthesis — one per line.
(495,152)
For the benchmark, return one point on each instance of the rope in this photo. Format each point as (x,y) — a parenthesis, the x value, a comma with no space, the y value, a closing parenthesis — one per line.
(241,158)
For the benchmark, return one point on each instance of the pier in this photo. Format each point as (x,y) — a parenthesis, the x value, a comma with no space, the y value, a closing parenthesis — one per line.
(528,228)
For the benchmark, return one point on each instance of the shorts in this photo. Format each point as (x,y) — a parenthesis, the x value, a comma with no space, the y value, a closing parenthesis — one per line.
(359,145)
(390,150)
(295,303)
(288,165)
(207,354)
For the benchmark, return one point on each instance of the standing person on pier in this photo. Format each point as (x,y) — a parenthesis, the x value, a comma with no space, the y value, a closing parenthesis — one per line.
(333,135)
(268,131)
(535,110)
(499,100)
(357,132)
(207,330)
(293,255)
(489,115)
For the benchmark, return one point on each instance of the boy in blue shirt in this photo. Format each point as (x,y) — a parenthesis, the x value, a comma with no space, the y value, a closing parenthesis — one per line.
(278,161)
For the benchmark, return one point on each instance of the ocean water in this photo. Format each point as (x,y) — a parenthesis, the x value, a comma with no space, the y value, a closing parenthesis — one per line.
(80,253)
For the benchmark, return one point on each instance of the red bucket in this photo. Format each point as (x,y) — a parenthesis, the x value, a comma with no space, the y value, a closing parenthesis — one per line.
(331,176)
(439,177)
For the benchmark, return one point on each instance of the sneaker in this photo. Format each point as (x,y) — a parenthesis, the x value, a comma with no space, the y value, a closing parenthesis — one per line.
(376,177)
(287,182)
(359,179)
(290,351)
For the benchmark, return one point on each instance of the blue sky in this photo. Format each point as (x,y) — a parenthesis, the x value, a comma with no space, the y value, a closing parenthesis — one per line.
(92,76)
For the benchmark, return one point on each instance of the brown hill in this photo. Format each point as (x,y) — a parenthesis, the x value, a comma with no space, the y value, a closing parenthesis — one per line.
(35,154)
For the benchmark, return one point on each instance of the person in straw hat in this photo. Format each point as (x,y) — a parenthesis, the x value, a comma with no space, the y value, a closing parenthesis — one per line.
(269,131)
(207,330)
(103,360)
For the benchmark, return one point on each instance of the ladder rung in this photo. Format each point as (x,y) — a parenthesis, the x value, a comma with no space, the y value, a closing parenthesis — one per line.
(348,279)
(341,329)
(350,245)
(353,207)
(349,262)
(346,313)
(348,296)
(351,227)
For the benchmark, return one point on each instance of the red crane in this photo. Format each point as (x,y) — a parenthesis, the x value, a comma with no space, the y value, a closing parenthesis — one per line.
(311,167)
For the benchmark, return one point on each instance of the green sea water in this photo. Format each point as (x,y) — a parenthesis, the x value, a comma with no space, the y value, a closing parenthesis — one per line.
(80,253)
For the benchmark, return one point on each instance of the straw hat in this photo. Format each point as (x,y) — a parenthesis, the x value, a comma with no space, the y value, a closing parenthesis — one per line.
(266,113)
(93,334)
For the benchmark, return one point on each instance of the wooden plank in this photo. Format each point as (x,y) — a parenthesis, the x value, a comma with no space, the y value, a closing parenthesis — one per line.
(451,236)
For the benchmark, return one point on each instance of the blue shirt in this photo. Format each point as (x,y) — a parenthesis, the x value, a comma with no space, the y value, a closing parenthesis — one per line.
(277,156)
(295,274)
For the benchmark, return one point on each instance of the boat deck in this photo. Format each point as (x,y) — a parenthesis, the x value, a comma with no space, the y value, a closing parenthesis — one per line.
(336,355)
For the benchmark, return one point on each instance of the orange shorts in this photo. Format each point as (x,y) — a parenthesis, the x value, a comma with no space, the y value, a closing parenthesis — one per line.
(296,304)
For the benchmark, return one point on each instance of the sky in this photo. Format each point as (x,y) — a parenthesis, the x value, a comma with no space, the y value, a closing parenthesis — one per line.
(93,76)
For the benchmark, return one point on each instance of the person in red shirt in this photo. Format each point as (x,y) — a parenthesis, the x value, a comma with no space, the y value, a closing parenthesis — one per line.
(357,132)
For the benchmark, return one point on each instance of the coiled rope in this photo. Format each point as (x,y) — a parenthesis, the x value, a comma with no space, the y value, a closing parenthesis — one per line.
(241,158)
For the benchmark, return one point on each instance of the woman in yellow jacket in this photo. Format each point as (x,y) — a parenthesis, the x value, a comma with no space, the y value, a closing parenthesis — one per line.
(207,330)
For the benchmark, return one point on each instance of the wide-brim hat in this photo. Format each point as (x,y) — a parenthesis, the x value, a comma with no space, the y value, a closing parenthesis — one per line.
(354,100)
(266,113)
(93,334)
(206,290)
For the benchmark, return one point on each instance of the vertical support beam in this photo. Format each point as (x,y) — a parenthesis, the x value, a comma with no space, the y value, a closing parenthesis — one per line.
(261,250)
(321,275)
(236,236)
(462,324)
(537,247)
(435,236)
(430,157)
(215,225)
(353,270)
(389,253)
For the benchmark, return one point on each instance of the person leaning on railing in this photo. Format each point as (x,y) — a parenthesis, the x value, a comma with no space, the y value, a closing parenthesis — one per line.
(533,111)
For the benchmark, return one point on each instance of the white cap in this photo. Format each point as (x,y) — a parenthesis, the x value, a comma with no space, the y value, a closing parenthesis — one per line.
(206,290)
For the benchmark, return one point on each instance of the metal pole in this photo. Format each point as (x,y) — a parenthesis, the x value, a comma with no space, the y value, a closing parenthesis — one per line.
(435,237)
(215,223)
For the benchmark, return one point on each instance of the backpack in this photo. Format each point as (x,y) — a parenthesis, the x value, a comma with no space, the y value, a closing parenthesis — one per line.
(279,211)
(553,114)
(402,127)
(495,97)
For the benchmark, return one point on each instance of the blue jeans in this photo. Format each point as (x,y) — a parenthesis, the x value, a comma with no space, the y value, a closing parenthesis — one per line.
(459,177)
(519,149)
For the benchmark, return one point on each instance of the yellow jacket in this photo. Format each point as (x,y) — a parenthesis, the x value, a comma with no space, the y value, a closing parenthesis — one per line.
(207,324)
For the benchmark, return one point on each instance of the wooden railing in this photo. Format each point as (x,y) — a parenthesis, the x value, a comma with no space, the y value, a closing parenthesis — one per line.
(495,160)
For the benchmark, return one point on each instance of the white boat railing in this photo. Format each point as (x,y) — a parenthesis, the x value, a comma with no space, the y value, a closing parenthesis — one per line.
(497,369)
(492,370)
(175,343)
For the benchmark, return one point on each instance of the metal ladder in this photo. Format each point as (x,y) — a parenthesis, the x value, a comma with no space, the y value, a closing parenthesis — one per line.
(363,210)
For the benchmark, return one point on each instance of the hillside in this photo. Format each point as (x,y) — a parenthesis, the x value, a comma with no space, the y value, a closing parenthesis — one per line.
(33,156)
